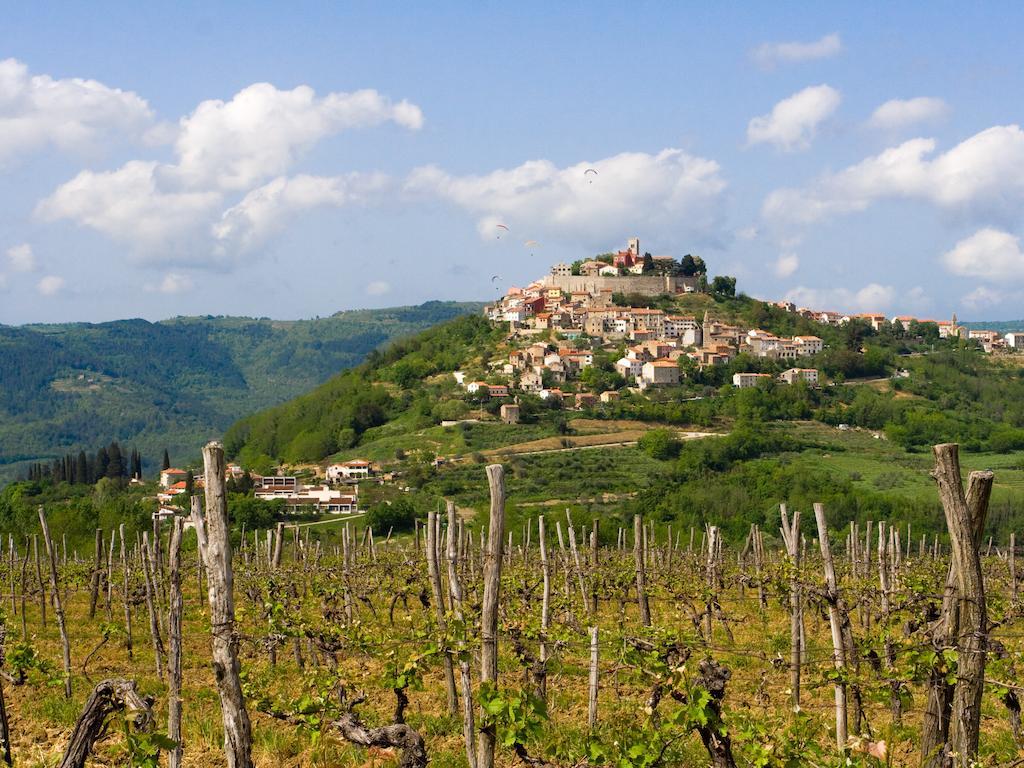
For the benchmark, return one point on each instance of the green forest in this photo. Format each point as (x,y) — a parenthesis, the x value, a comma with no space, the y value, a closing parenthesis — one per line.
(172,384)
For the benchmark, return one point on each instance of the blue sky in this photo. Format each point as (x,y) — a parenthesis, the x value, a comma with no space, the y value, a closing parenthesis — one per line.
(165,159)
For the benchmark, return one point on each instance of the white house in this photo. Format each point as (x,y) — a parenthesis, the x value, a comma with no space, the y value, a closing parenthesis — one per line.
(747,380)
(356,469)
(1015,339)
(169,477)
(629,368)
(658,373)
(808,345)
(793,375)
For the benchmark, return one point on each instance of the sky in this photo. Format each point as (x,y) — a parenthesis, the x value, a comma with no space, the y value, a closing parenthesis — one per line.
(293,160)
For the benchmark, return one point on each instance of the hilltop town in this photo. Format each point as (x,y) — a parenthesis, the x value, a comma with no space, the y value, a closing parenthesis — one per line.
(593,301)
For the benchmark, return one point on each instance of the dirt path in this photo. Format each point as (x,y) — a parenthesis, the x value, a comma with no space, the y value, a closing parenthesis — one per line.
(584,442)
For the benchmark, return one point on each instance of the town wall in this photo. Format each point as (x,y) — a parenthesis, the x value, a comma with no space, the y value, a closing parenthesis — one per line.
(645,285)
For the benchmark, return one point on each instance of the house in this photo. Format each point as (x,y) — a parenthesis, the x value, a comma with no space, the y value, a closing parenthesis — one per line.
(498,390)
(169,477)
(609,396)
(356,469)
(875,321)
(510,413)
(684,328)
(592,268)
(585,399)
(548,394)
(747,380)
(561,270)
(475,386)
(531,381)
(629,368)
(808,345)
(272,484)
(608,270)
(658,373)
(793,375)
(1015,340)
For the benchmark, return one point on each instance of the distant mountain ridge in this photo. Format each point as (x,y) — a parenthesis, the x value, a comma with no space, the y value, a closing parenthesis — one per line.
(177,382)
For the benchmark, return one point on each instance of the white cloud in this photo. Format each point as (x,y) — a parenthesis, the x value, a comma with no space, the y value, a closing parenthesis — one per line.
(262,130)
(50,285)
(378,288)
(265,210)
(988,254)
(793,122)
(983,296)
(669,194)
(21,258)
(983,174)
(787,264)
(39,111)
(169,211)
(172,283)
(130,205)
(768,55)
(901,113)
(871,298)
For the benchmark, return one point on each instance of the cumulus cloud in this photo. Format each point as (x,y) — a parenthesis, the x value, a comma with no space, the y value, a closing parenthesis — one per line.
(668,194)
(901,113)
(39,111)
(988,254)
(265,210)
(172,283)
(131,205)
(787,264)
(983,296)
(260,132)
(984,174)
(378,288)
(50,285)
(793,122)
(871,298)
(768,55)
(223,149)
(21,258)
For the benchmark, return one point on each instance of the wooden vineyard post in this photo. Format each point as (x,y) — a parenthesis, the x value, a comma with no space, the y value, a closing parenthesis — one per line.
(434,573)
(1013,566)
(487,736)
(174,645)
(58,607)
(641,579)
(455,586)
(97,574)
(154,623)
(127,593)
(237,728)
(965,721)
(594,680)
(39,578)
(791,537)
(5,730)
(835,624)
(545,609)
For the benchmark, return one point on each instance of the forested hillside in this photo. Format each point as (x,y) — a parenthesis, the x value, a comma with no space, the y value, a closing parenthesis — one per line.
(174,383)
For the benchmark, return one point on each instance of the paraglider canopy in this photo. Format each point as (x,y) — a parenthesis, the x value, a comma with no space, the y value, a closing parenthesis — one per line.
(590,170)
(500,228)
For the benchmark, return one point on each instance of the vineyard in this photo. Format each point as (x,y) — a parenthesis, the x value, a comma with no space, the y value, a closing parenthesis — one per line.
(547,646)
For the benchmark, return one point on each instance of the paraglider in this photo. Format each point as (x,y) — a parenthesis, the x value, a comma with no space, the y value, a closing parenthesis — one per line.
(500,227)
(531,243)
(590,170)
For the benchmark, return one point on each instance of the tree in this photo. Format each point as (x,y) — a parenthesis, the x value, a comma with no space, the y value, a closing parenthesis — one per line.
(102,462)
(115,466)
(190,485)
(723,285)
(648,264)
(399,515)
(166,464)
(82,469)
(659,444)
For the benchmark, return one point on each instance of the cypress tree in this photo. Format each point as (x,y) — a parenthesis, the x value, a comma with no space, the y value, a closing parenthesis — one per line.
(82,469)
(116,466)
(190,485)
(166,462)
(102,462)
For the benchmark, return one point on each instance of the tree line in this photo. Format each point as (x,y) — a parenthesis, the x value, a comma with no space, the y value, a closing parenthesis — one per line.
(88,468)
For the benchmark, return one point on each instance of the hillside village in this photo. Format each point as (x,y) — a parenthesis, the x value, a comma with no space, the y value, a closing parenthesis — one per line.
(586,335)
(589,300)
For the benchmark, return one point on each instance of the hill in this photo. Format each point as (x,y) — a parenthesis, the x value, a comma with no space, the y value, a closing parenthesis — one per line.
(855,442)
(174,383)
